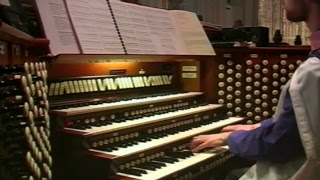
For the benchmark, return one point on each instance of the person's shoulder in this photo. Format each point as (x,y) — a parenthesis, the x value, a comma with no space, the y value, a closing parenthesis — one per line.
(311,67)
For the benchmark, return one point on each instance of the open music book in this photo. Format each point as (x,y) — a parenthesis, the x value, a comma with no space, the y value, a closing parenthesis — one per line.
(115,27)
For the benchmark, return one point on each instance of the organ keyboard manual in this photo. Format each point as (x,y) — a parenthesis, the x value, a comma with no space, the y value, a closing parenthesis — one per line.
(133,125)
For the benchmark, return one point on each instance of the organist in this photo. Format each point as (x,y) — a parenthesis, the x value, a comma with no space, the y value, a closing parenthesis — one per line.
(287,145)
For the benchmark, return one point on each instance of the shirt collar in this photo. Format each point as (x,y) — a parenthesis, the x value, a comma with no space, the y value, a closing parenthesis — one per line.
(315,40)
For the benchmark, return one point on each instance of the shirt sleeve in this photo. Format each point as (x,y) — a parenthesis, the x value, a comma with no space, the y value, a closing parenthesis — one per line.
(266,122)
(273,142)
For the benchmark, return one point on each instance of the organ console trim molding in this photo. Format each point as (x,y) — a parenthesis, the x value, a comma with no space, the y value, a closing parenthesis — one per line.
(115,58)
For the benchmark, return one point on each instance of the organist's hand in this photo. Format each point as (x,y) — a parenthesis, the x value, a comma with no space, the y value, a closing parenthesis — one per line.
(240,127)
(201,142)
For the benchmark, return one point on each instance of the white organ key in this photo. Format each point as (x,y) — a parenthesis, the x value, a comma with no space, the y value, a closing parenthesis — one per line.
(221,75)
(71,87)
(229,97)
(170,79)
(130,82)
(146,81)
(161,81)
(249,114)
(229,71)
(85,85)
(265,88)
(238,75)
(89,83)
(221,67)
(265,79)
(229,105)
(141,81)
(291,66)
(283,71)
(248,71)
(265,62)
(67,87)
(238,84)
(126,82)
(264,96)
(147,120)
(265,113)
(62,88)
(221,84)
(238,67)
(112,84)
(102,85)
(119,83)
(283,62)
(76,86)
(248,88)
(237,109)
(135,82)
(81,86)
(51,89)
(257,75)
(229,113)
(230,63)
(154,143)
(171,169)
(94,84)
(264,104)
(265,71)
(237,92)
(123,104)
(248,96)
(56,89)
(274,108)
(237,101)
(283,79)
(257,84)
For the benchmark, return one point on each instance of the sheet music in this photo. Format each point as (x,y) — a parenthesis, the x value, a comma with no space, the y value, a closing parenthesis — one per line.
(145,30)
(94,27)
(57,27)
(192,36)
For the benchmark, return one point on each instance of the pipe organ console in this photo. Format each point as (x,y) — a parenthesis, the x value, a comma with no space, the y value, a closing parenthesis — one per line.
(133,126)
(24,122)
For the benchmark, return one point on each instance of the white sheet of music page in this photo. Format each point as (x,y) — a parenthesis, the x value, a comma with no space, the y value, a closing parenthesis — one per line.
(145,30)
(191,33)
(94,27)
(57,27)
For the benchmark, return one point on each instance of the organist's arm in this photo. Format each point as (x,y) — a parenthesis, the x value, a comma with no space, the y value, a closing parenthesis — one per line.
(274,142)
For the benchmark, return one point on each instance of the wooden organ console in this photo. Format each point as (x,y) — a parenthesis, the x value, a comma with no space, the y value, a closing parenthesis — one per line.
(132,126)
(25,147)
(137,125)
